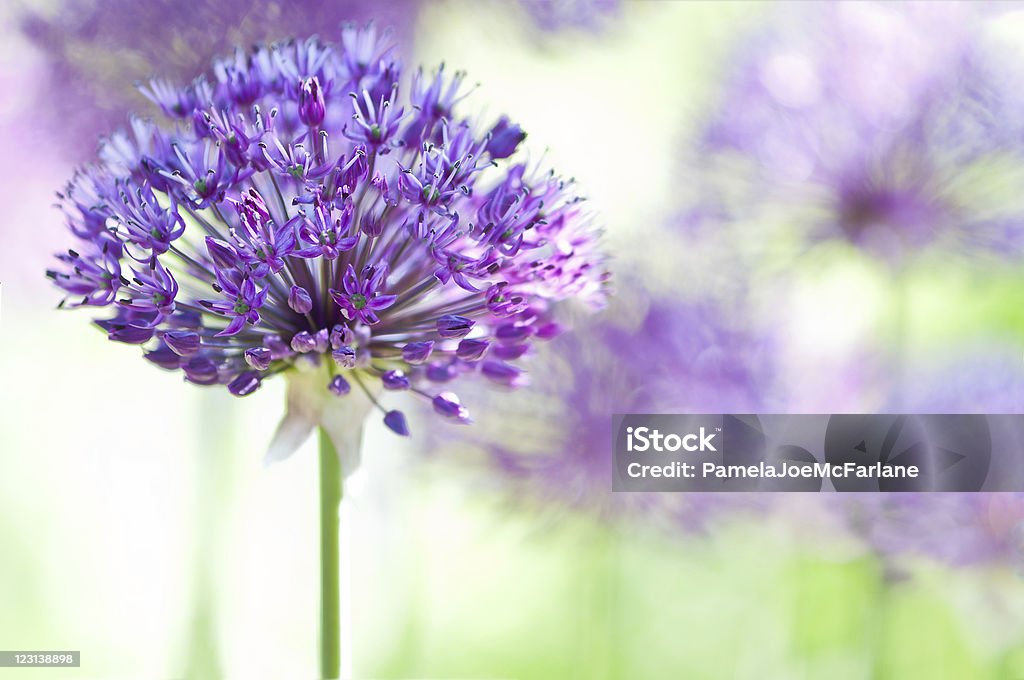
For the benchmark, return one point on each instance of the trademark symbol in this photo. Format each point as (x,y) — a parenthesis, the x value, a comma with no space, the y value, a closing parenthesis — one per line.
(718,429)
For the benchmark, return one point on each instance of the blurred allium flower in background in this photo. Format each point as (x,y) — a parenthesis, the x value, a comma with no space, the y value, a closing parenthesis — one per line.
(957,529)
(891,126)
(980,378)
(644,356)
(556,15)
(311,208)
(96,49)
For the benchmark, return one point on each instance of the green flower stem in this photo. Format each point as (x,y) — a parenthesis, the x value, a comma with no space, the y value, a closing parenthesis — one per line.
(330,592)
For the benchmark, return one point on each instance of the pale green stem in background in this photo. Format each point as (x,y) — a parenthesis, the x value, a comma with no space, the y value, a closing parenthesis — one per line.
(877,639)
(900,338)
(599,644)
(214,483)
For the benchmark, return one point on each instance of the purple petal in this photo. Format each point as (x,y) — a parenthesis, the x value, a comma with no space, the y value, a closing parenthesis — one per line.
(345,356)
(132,335)
(382,301)
(395,420)
(339,386)
(303,342)
(448,405)
(245,384)
(395,380)
(236,325)
(454,326)
(258,358)
(200,370)
(222,254)
(472,349)
(417,352)
(183,343)
(504,374)
(164,357)
(299,300)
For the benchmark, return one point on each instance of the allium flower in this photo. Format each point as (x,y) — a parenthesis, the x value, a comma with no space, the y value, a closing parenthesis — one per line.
(649,357)
(890,126)
(306,207)
(96,49)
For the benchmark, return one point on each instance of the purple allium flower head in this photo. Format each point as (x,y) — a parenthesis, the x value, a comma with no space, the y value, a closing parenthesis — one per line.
(891,126)
(255,262)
